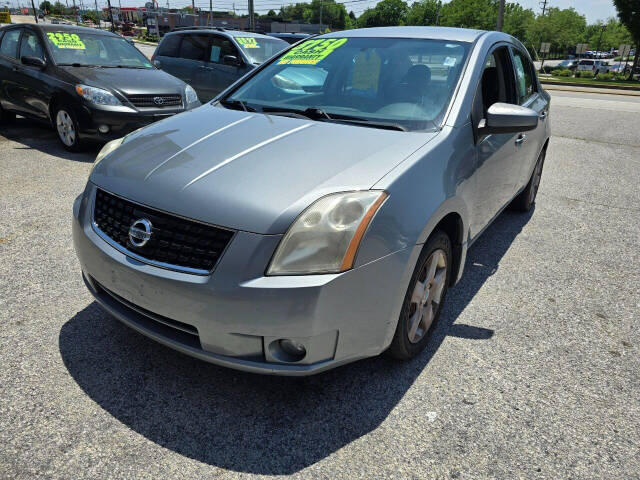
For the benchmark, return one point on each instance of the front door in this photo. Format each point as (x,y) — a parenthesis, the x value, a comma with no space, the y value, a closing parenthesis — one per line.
(9,66)
(33,93)
(498,163)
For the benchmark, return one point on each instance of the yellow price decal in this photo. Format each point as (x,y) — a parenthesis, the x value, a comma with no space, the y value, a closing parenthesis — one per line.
(5,17)
(311,51)
(66,40)
(247,42)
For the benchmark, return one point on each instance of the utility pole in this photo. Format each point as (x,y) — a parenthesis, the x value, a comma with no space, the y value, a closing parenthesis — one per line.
(113,28)
(320,16)
(35,14)
(438,13)
(210,12)
(98,14)
(500,16)
(543,4)
(75,11)
(604,27)
(252,19)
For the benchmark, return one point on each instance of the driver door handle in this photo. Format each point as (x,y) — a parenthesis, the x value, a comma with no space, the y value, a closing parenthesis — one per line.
(521,138)
(543,115)
(208,69)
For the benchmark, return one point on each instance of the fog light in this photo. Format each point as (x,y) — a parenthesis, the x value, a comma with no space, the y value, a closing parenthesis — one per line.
(103,129)
(293,348)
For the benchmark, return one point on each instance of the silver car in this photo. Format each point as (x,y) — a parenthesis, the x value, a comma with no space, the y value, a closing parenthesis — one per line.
(318,210)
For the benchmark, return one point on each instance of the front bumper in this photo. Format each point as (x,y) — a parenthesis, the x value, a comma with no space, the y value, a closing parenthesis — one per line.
(235,316)
(120,123)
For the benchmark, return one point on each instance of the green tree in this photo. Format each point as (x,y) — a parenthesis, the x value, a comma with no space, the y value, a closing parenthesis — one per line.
(562,28)
(629,15)
(423,12)
(479,14)
(518,21)
(45,7)
(386,13)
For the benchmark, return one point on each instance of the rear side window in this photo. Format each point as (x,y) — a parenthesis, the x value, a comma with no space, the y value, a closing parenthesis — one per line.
(194,47)
(9,45)
(524,77)
(170,46)
(586,62)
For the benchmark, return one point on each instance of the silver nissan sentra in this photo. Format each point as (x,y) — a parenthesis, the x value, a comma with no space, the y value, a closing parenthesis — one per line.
(317,211)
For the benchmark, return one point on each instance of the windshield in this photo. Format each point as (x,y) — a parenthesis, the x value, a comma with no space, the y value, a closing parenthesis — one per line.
(404,82)
(88,49)
(259,49)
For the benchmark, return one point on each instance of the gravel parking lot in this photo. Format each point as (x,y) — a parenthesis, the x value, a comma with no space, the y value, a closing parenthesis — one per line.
(533,371)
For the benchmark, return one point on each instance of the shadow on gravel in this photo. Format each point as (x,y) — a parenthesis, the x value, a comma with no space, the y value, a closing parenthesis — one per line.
(35,135)
(251,423)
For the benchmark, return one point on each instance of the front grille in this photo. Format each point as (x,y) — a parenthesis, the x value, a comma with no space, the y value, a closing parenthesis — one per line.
(156,101)
(175,242)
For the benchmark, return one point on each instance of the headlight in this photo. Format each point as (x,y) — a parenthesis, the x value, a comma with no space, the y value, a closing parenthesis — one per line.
(97,95)
(107,149)
(190,95)
(326,236)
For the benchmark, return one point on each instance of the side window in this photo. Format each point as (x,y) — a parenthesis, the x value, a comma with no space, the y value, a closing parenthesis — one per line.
(30,46)
(9,45)
(194,47)
(220,47)
(524,77)
(170,46)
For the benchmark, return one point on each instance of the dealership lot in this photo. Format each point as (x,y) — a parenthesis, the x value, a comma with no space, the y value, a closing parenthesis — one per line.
(533,371)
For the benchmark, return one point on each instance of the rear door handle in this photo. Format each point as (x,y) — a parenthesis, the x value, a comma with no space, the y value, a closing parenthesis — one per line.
(208,69)
(543,115)
(521,138)
(15,68)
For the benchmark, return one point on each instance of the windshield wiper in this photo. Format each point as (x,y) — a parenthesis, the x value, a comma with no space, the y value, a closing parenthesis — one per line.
(371,123)
(76,64)
(234,104)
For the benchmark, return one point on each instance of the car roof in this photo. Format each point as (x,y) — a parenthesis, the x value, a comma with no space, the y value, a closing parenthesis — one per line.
(431,33)
(221,31)
(48,27)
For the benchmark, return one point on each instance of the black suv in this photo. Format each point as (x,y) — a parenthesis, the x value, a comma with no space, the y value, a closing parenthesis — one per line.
(90,84)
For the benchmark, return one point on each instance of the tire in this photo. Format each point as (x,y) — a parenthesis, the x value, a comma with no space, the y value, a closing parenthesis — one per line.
(527,198)
(425,294)
(66,125)
(6,117)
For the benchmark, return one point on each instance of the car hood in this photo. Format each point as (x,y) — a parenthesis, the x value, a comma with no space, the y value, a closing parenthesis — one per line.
(128,81)
(248,171)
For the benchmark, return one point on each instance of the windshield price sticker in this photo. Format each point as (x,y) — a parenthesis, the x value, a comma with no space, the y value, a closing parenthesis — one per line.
(312,51)
(247,42)
(66,40)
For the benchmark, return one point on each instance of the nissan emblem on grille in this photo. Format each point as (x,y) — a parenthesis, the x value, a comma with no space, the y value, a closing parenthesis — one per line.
(158,100)
(140,232)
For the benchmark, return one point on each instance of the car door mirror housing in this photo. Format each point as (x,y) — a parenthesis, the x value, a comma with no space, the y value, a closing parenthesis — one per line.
(33,62)
(231,60)
(508,118)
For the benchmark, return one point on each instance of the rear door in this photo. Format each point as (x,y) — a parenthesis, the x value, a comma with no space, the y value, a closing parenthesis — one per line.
(9,82)
(167,56)
(192,64)
(527,88)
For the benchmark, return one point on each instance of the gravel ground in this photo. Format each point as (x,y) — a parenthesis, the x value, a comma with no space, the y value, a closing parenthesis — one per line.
(533,371)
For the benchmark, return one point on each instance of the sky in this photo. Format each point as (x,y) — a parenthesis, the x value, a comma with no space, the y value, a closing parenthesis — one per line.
(593,9)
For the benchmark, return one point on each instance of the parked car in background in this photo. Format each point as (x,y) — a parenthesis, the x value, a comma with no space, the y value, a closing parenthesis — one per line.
(290,228)
(290,38)
(89,84)
(211,59)
(567,65)
(595,66)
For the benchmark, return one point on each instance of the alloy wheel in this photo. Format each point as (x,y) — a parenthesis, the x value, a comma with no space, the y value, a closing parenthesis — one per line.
(66,128)
(425,300)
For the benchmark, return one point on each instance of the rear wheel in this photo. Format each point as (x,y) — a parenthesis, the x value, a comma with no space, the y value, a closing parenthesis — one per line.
(66,125)
(424,298)
(527,198)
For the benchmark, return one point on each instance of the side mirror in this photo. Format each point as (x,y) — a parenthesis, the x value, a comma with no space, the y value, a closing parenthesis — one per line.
(33,62)
(231,60)
(508,118)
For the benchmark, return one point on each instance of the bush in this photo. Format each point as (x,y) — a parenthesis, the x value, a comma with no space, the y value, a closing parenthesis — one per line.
(606,77)
(563,73)
(585,74)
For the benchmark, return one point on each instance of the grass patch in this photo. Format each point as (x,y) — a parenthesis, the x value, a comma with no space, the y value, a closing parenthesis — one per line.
(607,80)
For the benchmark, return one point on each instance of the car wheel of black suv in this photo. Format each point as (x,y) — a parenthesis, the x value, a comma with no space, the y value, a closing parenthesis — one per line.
(66,126)
(424,298)
(6,117)
(527,198)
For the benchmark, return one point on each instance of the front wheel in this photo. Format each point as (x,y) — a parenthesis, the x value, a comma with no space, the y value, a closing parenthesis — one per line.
(424,298)
(66,125)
